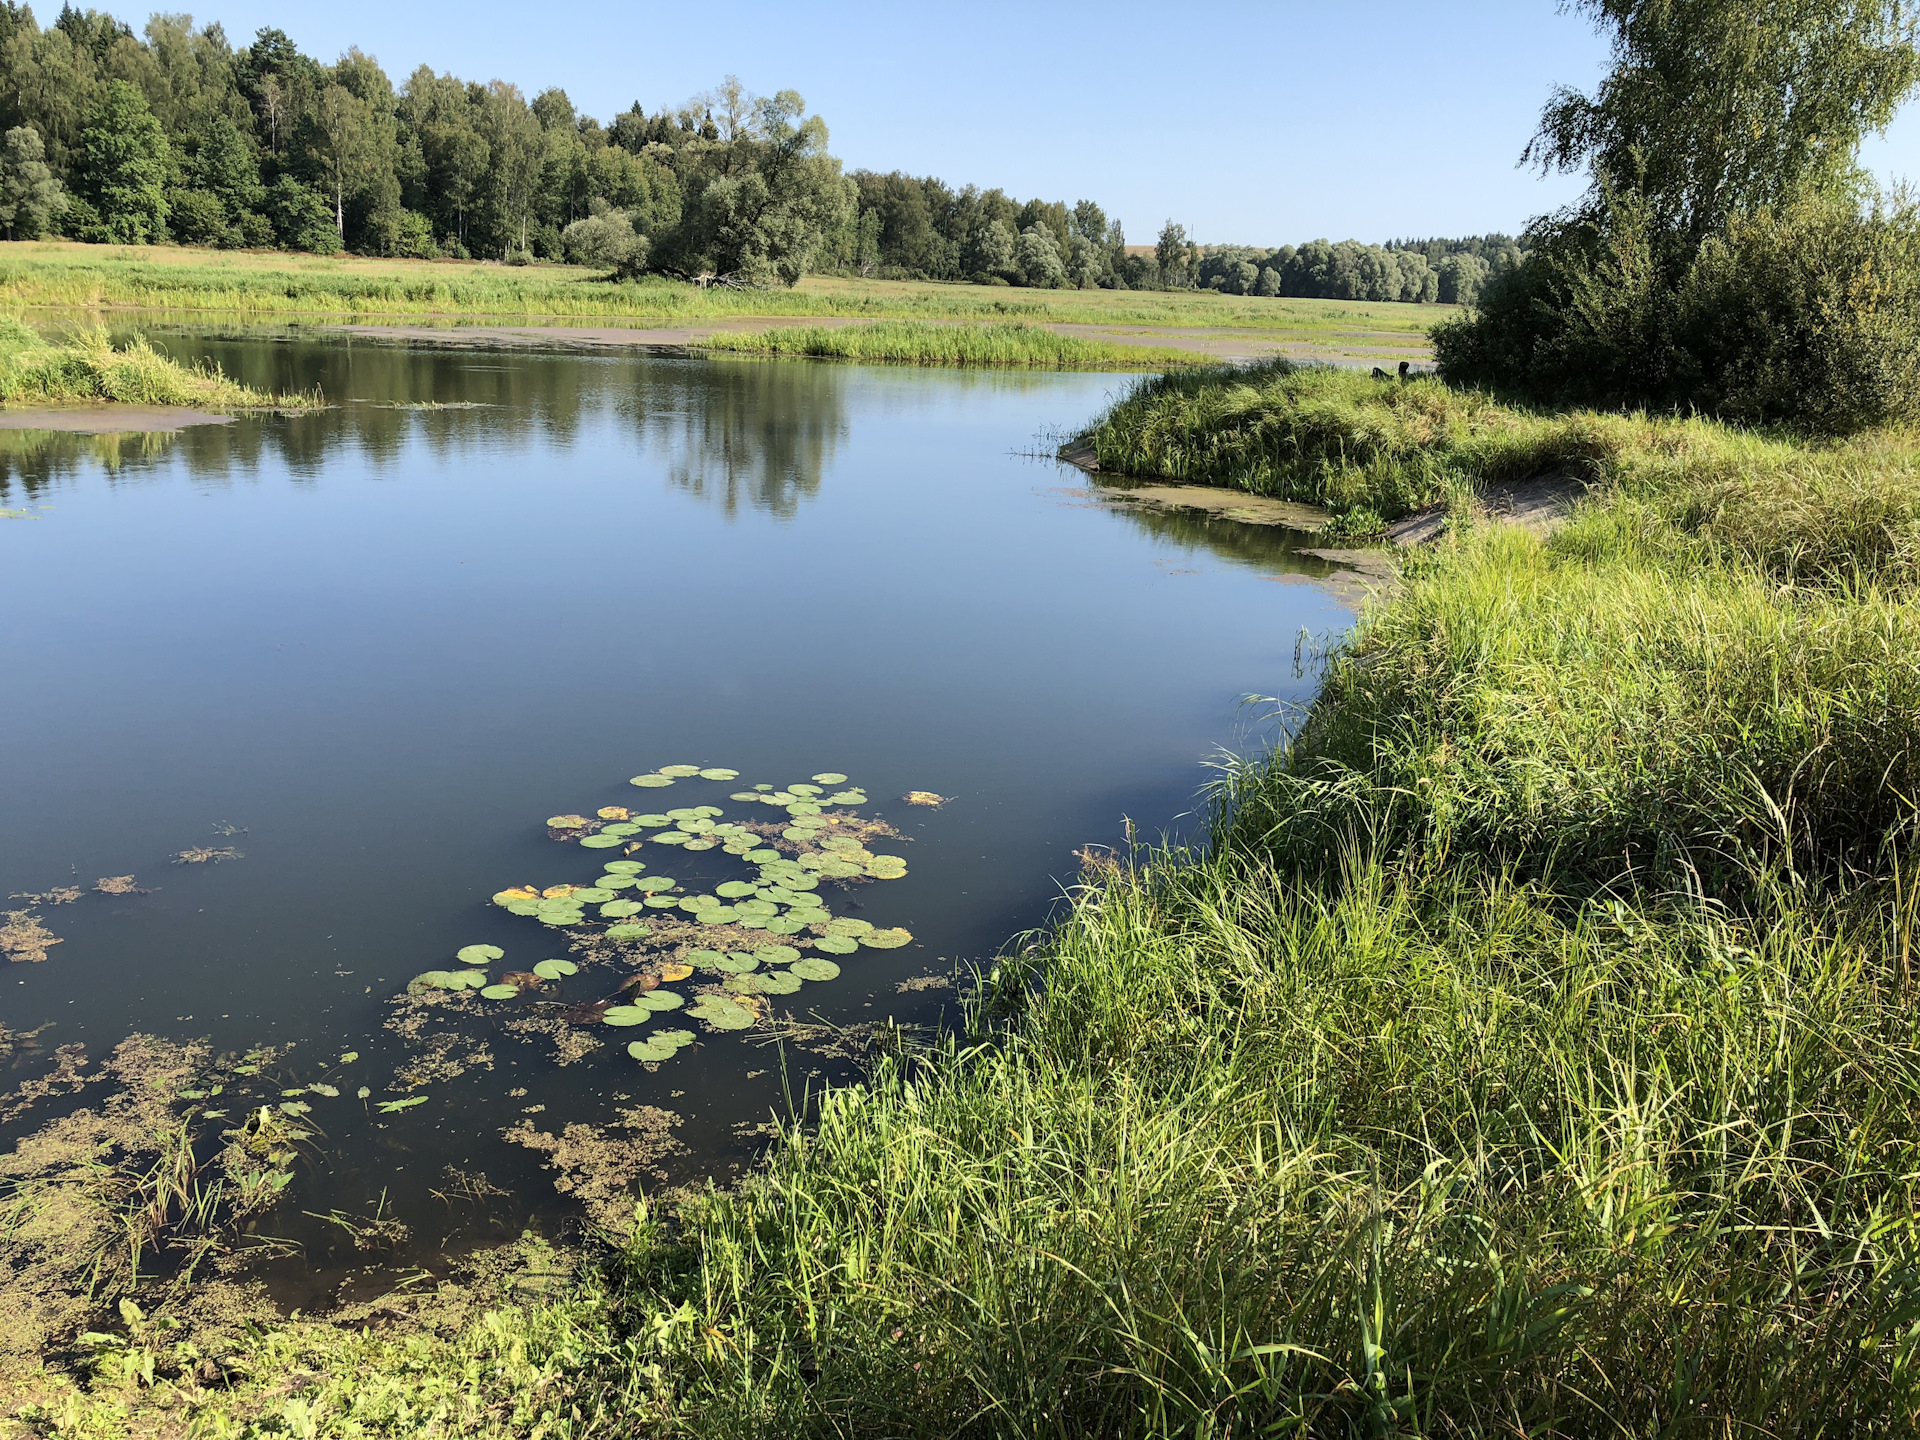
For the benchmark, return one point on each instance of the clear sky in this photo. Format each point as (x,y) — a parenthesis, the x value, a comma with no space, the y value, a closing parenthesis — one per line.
(1253,124)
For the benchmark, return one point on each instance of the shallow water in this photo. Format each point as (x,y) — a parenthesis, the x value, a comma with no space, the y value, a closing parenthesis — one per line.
(381,645)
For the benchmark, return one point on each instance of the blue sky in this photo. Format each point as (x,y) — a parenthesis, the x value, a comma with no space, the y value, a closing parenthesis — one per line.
(1256,124)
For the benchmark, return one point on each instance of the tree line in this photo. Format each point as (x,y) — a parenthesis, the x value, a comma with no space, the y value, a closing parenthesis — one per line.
(176,134)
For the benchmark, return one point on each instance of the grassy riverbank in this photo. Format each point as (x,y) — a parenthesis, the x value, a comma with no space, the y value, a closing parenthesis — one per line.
(1532,1050)
(74,276)
(88,368)
(915,342)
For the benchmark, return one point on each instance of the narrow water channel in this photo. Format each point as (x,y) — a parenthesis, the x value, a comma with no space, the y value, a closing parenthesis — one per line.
(372,651)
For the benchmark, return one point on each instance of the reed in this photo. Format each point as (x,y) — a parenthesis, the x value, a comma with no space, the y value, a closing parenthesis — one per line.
(1018,346)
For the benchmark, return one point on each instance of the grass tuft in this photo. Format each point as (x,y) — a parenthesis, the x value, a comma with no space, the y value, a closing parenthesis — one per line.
(1017,345)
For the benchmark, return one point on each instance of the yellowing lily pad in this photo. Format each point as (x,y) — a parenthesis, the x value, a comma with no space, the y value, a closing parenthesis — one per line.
(886,939)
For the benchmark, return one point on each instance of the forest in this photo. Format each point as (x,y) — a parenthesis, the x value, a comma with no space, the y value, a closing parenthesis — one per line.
(175,135)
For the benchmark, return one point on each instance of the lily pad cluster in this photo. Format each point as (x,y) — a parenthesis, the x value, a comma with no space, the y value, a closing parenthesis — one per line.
(767,931)
(661,1045)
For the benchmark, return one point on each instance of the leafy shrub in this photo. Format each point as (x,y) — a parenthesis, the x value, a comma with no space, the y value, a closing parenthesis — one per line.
(1809,315)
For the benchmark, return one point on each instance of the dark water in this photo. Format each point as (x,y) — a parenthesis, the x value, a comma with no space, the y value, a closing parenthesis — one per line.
(384,644)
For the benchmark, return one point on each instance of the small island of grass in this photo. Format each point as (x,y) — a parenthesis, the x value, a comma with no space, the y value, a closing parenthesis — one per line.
(90,370)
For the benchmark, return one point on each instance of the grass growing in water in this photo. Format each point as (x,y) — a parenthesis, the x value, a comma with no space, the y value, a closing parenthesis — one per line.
(1017,345)
(89,368)
(1533,1048)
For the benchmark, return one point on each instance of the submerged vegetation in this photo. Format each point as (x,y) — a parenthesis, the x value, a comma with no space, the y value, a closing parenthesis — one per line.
(90,368)
(1017,345)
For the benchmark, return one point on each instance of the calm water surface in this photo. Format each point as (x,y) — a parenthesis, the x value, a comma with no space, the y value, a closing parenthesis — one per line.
(383,644)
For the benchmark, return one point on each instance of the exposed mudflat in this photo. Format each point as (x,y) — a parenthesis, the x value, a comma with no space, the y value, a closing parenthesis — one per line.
(106,419)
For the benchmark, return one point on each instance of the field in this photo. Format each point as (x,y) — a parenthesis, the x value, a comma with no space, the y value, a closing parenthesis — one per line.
(169,279)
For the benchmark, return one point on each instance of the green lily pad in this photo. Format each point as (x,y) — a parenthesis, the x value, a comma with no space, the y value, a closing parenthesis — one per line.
(622,829)
(432,980)
(734,890)
(671,837)
(701,826)
(651,1052)
(659,1000)
(762,857)
(886,939)
(653,884)
(619,909)
(661,902)
(679,772)
(698,903)
(804,789)
(628,932)
(652,822)
(478,954)
(814,968)
(704,957)
(803,807)
(757,907)
(555,969)
(676,1038)
(885,867)
(831,777)
(623,867)
(847,925)
(743,795)
(745,984)
(523,907)
(700,842)
(613,882)
(833,842)
(720,1013)
(837,944)
(717,772)
(776,954)
(738,963)
(623,1015)
(651,782)
(561,918)
(592,895)
(783,926)
(602,841)
(718,915)
(799,881)
(500,992)
(848,797)
(779,982)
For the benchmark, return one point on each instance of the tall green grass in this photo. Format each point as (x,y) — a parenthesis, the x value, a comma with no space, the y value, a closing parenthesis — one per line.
(90,368)
(1018,345)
